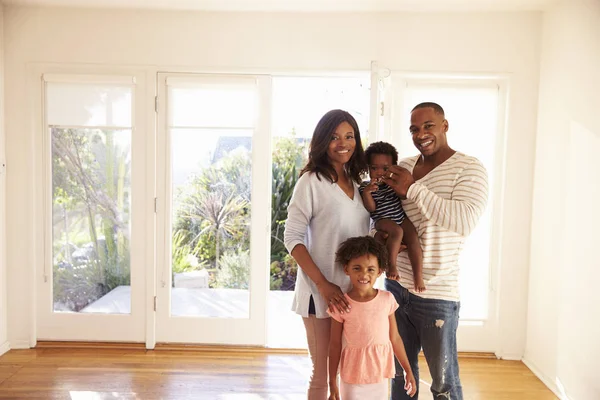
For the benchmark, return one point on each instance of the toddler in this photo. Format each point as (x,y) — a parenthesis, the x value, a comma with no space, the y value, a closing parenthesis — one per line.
(387,213)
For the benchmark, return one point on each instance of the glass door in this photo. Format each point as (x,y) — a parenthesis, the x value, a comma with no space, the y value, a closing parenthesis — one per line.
(91,286)
(213,208)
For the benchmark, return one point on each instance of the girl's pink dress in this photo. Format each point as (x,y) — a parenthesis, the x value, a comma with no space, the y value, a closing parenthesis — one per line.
(367,353)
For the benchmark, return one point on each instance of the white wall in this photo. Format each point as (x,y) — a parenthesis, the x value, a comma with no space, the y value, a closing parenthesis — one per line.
(454,42)
(3,308)
(564,300)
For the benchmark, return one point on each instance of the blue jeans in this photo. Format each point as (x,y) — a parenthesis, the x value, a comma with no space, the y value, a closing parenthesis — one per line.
(429,324)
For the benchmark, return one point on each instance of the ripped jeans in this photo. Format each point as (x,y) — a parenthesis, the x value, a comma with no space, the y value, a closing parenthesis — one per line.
(429,324)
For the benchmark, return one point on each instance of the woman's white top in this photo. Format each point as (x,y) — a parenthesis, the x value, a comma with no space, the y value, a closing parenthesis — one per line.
(321,216)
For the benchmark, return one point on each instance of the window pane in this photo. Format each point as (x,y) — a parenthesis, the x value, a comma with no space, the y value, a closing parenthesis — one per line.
(93,105)
(299,103)
(231,106)
(472,113)
(91,208)
(211,183)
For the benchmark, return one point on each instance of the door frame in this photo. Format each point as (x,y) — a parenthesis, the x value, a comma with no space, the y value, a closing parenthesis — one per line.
(47,325)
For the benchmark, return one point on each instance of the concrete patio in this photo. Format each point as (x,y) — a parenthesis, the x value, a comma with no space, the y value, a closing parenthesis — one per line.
(284,328)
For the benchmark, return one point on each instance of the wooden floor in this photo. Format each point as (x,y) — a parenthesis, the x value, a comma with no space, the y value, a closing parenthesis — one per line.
(95,374)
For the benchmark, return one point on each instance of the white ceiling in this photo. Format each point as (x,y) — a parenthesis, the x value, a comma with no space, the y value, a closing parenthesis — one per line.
(301,5)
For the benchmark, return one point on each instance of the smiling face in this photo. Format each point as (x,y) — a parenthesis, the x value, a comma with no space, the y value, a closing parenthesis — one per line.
(428,130)
(342,144)
(363,272)
(378,166)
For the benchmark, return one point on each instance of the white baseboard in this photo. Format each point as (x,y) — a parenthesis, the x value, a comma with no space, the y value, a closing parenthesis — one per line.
(20,344)
(511,357)
(508,356)
(550,384)
(4,348)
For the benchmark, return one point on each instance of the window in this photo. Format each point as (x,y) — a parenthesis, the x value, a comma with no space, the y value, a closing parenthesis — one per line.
(90,129)
(211,123)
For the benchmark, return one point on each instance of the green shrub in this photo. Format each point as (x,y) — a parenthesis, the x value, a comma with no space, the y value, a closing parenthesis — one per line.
(234,270)
(283,273)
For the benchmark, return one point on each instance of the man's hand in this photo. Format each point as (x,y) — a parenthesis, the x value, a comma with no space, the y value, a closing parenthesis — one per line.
(399,179)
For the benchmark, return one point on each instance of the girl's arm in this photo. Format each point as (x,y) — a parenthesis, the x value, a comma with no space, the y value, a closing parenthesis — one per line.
(335,351)
(410,385)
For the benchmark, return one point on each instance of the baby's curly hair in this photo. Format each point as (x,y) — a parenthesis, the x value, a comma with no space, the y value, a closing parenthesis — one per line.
(360,246)
(381,148)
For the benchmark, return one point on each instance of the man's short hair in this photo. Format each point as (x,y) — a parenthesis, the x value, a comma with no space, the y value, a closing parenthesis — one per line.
(436,107)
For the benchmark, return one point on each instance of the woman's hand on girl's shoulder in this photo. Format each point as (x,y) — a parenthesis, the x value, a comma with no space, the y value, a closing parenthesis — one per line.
(334,297)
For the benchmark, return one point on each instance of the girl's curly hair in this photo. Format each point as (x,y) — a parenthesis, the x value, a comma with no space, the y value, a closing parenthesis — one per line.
(360,246)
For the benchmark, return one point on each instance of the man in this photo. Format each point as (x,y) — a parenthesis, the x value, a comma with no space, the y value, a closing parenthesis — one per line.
(444,193)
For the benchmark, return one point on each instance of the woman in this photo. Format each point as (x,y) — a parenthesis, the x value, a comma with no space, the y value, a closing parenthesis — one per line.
(325,210)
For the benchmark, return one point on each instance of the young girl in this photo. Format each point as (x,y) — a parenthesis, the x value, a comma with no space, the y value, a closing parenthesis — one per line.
(366,361)
(388,215)
(325,210)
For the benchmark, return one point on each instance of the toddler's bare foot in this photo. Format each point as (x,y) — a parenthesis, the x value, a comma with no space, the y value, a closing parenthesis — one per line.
(392,273)
(420,285)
